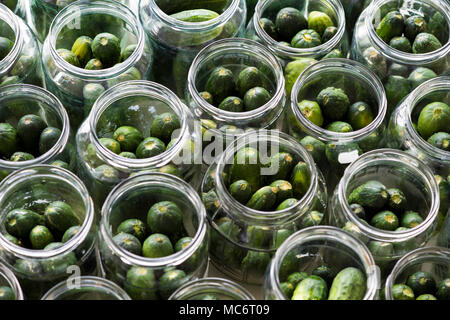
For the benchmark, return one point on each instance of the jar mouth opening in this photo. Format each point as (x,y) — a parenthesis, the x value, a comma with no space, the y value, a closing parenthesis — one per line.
(63,176)
(329,234)
(15,91)
(246,46)
(400,56)
(13,23)
(338,10)
(11,279)
(436,84)
(412,258)
(157,179)
(344,66)
(193,26)
(269,137)
(114,8)
(135,88)
(87,282)
(371,158)
(222,286)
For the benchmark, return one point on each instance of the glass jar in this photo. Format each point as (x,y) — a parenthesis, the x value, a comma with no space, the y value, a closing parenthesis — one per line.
(176,42)
(310,248)
(269,9)
(133,103)
(435,260)
(23,62)
(42,12)
(132,198)
(340,149)
(78,88)
(19,100)
(394,169)
(403,135)
(86,288)
(224,126)
(211,289)
(395,67)
(39,270)
(243,240)
(353,9)
(8,279)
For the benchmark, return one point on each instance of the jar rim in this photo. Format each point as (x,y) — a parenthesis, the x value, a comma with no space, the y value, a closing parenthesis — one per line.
(299,52)
(35,93)
(332,234)
(410,103)
(12,280)
(259,216)
(361,72)
(87,282)
(67,14)
(400,56)
(64,176)
(189,26)
(245,46)
(132,89)
(223,285)
(13,22)
(168,181)
(393,156)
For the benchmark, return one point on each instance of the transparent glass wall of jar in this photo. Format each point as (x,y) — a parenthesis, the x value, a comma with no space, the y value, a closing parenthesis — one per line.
(136,104)
(333,151)
(78,88)
(86,288)
(146,278)
(300,58)
(211,289)
(19,100)
(435,260)
(243,240)
(9,280)
(401,72)
(403,134)
(310,248)
(33,188)
(394,169)
(22,63)
(177,42)
(220,127)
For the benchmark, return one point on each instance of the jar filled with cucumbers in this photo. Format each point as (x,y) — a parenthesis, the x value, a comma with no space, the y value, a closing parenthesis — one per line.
(19,51)
(421,126)
(264,187)
(9,285)
(235,85)
(179,29)
(404,42)
(423,274)
(390,201)
(153,236)
(47,229)
(106,46)
(136,126)
(34,129)
(90,288)
(322,263)
(338,110)
(211,289)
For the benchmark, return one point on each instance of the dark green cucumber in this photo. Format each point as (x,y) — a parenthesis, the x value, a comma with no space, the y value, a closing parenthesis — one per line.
(21,156)
(420,75)
(141,283)
(232,104)
(249,78)
(334,102)
(70,233)
(6,46)
(440,140)
(426,297)
(421,282)
(128,137)
(247,166)
(325,272)
(288,22)
(29,129)
(401,44)
(40,237)
(8,139)
(390,26)
(296,277)
(313,218)
(6,293)
(263,199)
(165,217)
(358,210)
(315,147)
(241,191)
(319,21)
(255,263)
(300,179)
(195,15)
(311,288)
(401,291)
(164,125)
(156,246)
(170,281)
(281,165)
(443,290)
(425,42)
(414,25)
(127,52)
(311,111)
(434,117)
(128,242)
(269,27)
(69,57)
(256,98)
(82,49)
(48,139)
(134,227)
(150,147)
(307,38)
(59,216)
(94,64)
(19,222)
(286,204)
(106,48)
(371,194)
(359,115)
(385,220)
(339,126)
(396,87)
(220,84)
(411,219)
(349,284)
(397,199)
(285,190)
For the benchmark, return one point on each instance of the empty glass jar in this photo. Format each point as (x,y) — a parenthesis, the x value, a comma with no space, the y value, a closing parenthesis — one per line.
(310,248)
(76,87)
(153,278)
(33,188)
(177,42)
(394,169)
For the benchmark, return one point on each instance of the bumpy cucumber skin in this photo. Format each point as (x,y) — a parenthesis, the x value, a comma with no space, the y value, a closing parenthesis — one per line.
(390,26)
(264,199)
(349,284)
(372,194)
(311,288)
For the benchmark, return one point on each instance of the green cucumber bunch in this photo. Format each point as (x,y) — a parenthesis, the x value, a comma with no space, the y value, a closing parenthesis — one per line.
(433,124)
(422,285)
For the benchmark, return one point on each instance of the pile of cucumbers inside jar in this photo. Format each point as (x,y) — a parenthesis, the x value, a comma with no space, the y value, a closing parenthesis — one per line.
(124,90)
